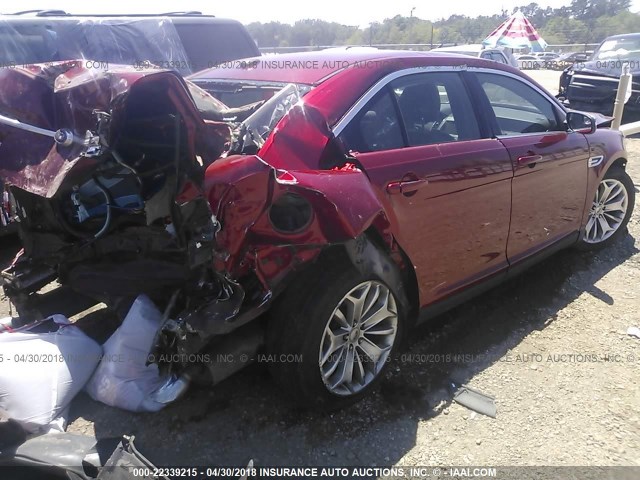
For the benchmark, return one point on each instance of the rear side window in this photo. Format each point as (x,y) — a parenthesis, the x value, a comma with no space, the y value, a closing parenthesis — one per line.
(376,127)
(210,45)
(414,110)
(517,106)
(435,108)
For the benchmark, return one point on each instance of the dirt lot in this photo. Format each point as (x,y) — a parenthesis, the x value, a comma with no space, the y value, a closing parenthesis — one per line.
(550,346)
(549,79)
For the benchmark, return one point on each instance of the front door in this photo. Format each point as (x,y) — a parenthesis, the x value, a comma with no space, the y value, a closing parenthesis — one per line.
(550,164)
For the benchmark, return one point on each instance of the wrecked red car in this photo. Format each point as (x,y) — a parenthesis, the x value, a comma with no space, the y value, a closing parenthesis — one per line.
(312,206)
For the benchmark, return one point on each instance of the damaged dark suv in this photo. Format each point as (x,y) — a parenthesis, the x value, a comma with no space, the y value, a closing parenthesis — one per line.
(338,195)
(592,85)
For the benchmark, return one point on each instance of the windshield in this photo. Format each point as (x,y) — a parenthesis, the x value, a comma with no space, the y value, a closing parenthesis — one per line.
(625,48)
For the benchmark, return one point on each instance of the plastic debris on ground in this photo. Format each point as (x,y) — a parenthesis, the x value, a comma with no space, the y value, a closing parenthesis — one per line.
(79,457)
(474,400)
(11,432)
(123,379)
(634,332)
(45,365)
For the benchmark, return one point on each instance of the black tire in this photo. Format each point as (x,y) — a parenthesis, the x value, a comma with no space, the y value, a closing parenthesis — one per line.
(619,174)
(296,327)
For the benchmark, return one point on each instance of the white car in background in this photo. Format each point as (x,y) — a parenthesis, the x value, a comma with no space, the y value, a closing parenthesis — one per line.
(547,56)
(529,62)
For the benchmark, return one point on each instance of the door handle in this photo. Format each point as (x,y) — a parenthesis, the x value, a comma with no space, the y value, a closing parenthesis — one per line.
(405,186)
(529,160)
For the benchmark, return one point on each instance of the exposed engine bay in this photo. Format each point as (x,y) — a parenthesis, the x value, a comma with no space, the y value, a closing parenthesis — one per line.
(128,182)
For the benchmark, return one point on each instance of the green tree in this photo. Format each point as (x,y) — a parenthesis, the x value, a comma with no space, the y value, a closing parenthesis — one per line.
(623,22)
(580,21)
(591,10)
(566,30)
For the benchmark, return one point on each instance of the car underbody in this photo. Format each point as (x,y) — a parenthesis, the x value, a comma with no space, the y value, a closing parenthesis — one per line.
(128,182)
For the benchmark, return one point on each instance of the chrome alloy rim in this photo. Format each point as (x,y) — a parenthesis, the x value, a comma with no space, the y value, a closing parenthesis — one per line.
(358,338)
(607,211)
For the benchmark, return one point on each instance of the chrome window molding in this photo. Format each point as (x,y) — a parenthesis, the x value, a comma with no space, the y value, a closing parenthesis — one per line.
(383,82)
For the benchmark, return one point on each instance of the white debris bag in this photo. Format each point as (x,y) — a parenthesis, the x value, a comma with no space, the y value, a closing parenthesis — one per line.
(123,379)
(41,372)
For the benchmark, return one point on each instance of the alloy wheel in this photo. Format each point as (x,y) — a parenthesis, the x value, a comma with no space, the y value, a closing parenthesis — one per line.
(358,338)
(607,211)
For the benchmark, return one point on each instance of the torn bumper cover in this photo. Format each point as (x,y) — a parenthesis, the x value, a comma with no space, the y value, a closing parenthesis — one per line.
(122,188)
(65,455)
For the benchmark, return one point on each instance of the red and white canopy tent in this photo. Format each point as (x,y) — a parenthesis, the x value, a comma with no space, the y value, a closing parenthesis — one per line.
(516,32)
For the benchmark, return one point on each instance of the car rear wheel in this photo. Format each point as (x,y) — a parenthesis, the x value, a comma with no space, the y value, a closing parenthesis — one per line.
(332,334)
(610,210)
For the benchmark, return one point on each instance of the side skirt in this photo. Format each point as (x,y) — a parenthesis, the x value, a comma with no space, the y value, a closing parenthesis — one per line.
(433,310)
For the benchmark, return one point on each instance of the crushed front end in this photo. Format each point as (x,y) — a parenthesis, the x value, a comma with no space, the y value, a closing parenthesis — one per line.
(130,182)
(107,170)
(592,85)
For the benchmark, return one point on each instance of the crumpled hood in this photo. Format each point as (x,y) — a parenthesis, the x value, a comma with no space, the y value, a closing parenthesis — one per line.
(64,96)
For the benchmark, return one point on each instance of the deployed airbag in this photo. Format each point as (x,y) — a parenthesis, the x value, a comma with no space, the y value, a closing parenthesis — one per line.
(123,379)
(43,370)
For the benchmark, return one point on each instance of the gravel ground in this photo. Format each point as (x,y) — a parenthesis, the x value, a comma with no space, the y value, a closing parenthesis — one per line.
(549,79)
(550,346)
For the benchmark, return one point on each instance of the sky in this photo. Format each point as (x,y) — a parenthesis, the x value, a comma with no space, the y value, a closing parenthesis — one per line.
(356,13)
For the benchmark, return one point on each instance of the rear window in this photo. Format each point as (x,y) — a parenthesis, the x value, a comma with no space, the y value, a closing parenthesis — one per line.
(241,94)
(210,45)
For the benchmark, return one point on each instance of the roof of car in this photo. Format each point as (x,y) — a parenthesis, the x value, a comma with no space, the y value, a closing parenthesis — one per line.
(622,35)
(471,47)
(62,13)
(187,17)
(59,15)
(313,67)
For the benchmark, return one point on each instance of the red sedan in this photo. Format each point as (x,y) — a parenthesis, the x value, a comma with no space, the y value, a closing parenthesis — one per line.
(323,205)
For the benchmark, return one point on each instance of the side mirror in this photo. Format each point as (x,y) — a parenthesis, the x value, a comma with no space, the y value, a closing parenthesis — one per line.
(581,122)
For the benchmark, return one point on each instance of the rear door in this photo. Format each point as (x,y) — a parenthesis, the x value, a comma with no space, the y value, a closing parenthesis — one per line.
(448,185)
(549,162)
